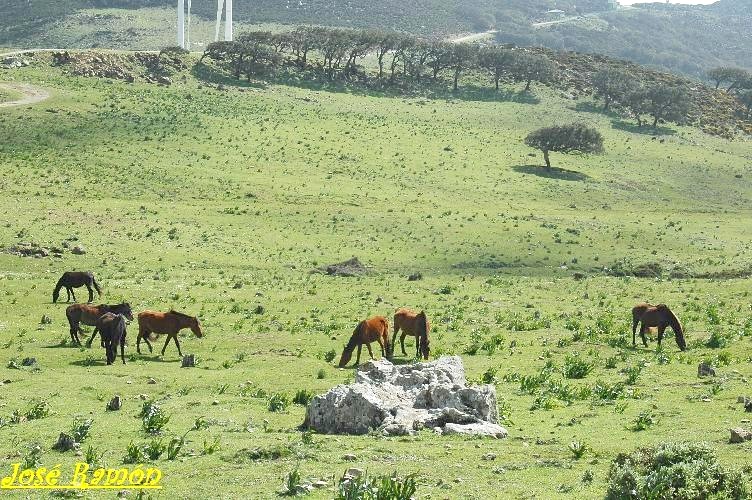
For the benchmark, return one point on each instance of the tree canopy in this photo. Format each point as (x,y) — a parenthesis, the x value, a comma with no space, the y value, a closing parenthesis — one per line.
(576,137)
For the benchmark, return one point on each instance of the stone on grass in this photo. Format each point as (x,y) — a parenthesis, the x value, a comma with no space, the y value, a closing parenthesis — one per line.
(189,361)
(401,400)
(115,404)
(705,370)
(739,435)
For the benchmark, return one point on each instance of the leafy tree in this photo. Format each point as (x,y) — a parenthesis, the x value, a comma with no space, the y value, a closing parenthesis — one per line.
(383,43)
(439,54)
(497,61)
(612,85)
(532,67)
(461,56)
(576,137)
(667,103)
(400,55)
(735,77)
(746,98)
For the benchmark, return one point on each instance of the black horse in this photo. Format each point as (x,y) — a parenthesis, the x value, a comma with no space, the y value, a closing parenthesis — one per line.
(76,279)
(112,328)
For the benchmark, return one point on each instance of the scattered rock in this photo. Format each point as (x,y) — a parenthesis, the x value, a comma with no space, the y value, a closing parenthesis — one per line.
(350,457)
(151,380)
(415,277)
(489,456)
(353,473)
(115,404)
(320,484)
(15,62)
(78,250)
(29,362)
(748,406)
(400,400)
(705,370)
(259,309)
(348,268)
(739,435)
(189,361)
(64,442)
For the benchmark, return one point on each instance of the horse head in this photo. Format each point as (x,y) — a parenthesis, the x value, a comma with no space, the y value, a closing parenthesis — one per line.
(124,309)
(55,295)
(346,357)
(195,327)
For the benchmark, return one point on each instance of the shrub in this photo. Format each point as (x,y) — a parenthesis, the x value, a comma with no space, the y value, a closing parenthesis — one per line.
(279,401)
(632,372)
(330,355)
(134,454)
(644,420)
(173,448)
(155,449)
(578,449)
(81,429)
(574,367)
(153,418)
(302,397)
(38,410)
(380,488)
(679,471)
(293,483)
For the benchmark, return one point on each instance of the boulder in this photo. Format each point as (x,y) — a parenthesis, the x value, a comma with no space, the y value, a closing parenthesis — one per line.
(400,400)
(348,268)
(705,370)
(739,435)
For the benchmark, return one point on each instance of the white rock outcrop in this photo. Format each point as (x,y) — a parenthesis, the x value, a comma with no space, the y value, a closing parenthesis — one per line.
(401,399)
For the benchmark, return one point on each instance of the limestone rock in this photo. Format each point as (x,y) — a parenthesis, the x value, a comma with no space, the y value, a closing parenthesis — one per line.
(739,435)
(705,370)
(400,400)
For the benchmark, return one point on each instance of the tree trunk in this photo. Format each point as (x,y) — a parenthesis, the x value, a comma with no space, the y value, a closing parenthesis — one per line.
(456,78)
(655,121)
(607,103)
(545,157)
(527,87)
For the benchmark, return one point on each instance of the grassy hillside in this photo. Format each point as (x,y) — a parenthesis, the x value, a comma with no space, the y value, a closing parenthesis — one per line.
(217,199)
(683,39)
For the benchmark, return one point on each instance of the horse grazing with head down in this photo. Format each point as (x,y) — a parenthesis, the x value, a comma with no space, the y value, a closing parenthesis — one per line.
(369,330)
(88,314)
(153,323)
(112,328)
(414,324)
(76,279)
(660,316)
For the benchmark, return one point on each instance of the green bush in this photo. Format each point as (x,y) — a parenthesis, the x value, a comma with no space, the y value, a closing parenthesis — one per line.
(676,471)
(575,367)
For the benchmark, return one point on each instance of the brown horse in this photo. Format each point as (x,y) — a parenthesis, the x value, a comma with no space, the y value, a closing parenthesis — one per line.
(75,279)
(367,331)
(88,314)
(112,328)
(153,323)
(659,316)
(414,324)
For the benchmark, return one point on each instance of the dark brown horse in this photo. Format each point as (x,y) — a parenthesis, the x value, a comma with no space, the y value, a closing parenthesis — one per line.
(112,328)
(414,324)
(369,330)
(153,323)
(87,314)
(659,316)
(76,279)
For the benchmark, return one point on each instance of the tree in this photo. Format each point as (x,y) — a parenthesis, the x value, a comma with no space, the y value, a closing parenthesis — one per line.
(497,61)
(746,98)
(572,138)
(667,103)
(532,67)
(438,57)
(613,86)
(735,77)
(460,57)
(383,43)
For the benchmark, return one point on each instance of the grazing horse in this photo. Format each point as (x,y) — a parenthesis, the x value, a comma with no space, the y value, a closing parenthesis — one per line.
(88,314)
(76,279)
(656,316)
(153,323)
(367,331)
(414,324)
(112,328)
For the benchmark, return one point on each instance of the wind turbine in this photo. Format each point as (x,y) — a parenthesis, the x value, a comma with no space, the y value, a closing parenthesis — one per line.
(184,35)
(227,5)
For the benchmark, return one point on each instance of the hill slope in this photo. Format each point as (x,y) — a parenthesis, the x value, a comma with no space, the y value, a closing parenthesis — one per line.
(217,199)
(684,39)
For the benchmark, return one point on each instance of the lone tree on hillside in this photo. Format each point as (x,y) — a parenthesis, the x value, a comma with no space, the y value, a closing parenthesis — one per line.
(574,138)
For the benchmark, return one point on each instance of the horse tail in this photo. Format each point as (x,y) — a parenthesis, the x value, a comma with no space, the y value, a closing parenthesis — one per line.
(96,285)
(351,345)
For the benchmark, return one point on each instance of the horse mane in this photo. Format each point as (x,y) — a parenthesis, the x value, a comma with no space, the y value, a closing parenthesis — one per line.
(673,320)
(182,315)
(353,342)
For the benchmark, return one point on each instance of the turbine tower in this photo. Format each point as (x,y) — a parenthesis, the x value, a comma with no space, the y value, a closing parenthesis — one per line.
(184,35)
(227,5)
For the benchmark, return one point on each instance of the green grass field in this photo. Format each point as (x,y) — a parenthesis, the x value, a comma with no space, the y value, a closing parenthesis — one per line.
(8,95)
(216,201)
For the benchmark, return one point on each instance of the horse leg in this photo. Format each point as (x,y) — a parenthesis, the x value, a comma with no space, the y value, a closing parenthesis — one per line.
(381,344)
(169,336)
(644,329)
(91,293)
(357,359)
(68,291)
(394,337)
(417,346)
(661,329)
(402,343)
(72,294)
(93,335)
(73,331)
(370,352)
(635,321)
(177,343)
(122,348)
